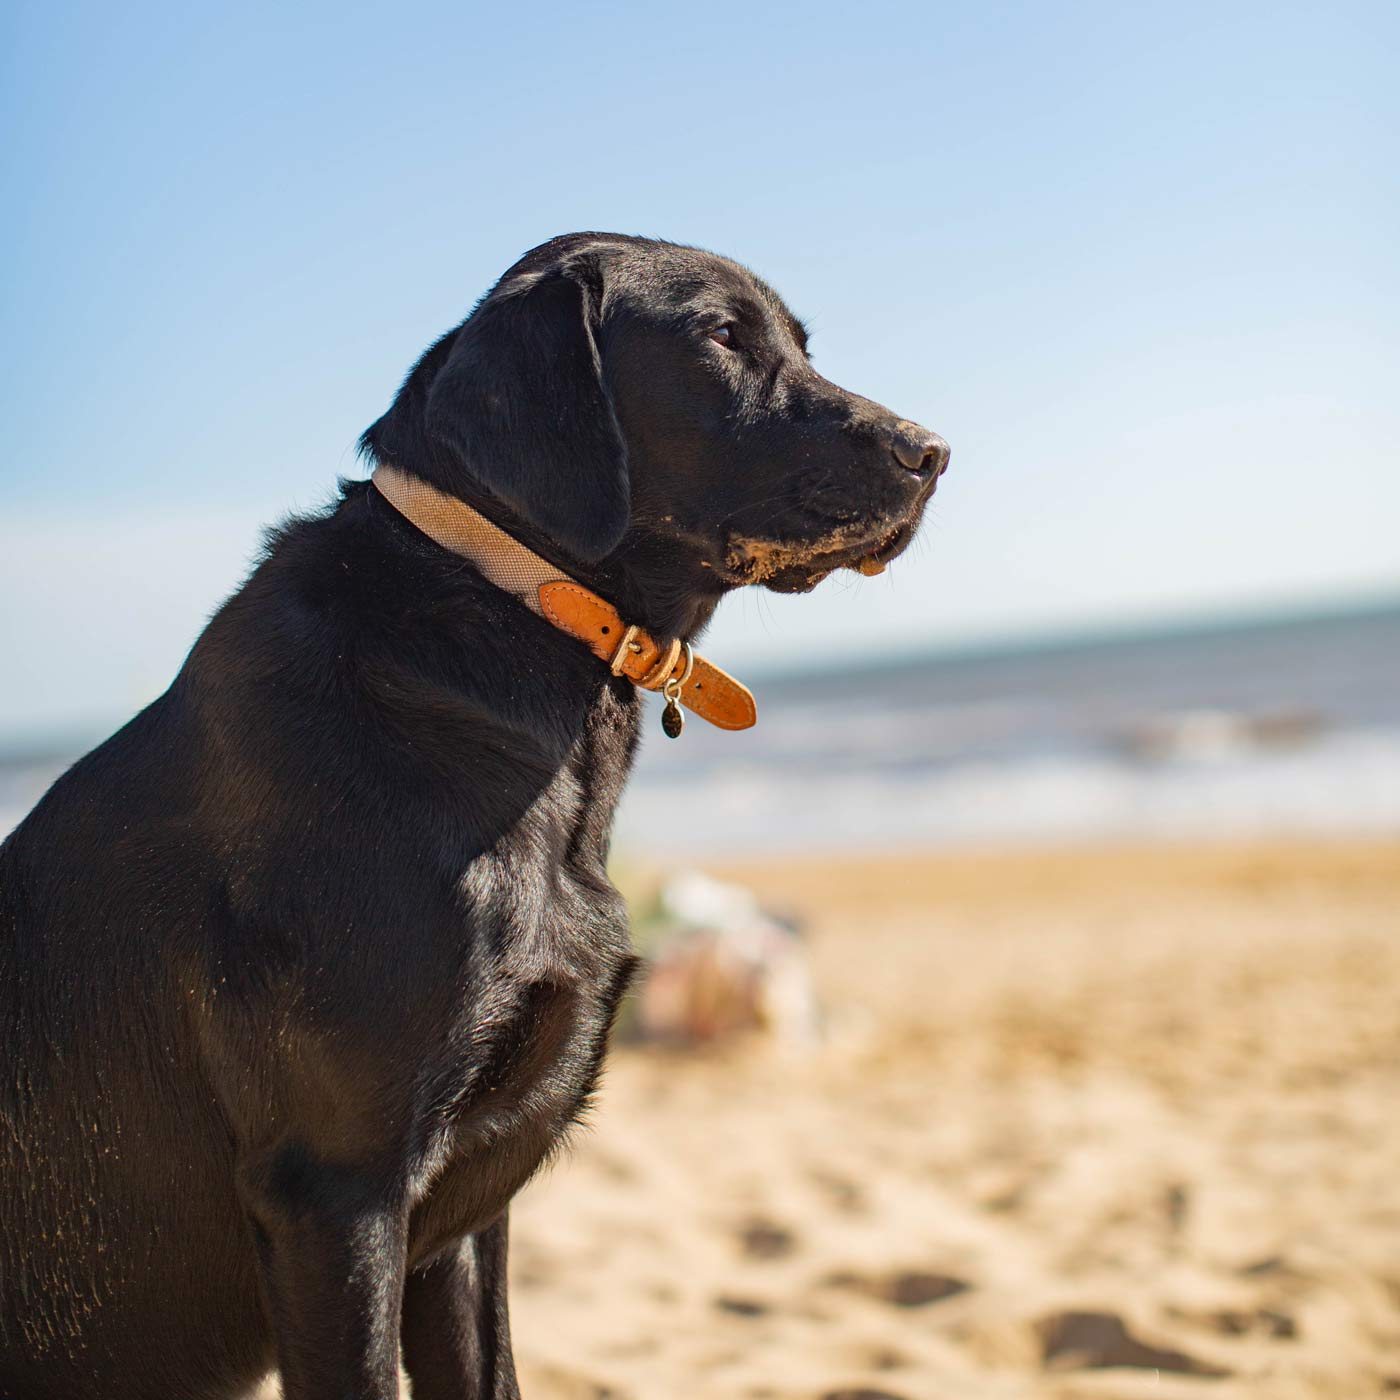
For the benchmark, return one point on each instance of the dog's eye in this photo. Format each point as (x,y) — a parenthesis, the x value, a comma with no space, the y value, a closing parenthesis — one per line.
(722,335)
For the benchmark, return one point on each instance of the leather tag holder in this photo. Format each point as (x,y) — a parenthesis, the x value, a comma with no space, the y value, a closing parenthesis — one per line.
(708,691)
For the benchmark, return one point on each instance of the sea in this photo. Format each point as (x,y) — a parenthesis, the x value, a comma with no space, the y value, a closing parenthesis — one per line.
(1281,726)
(1284,726)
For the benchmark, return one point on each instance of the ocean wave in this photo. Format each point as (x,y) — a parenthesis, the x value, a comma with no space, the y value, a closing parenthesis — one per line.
(1341,783)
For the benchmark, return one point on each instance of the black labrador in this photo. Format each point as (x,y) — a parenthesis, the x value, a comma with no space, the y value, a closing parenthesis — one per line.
(306,970)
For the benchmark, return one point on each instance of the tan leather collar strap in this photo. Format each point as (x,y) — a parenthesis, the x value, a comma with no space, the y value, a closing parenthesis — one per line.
(630,652)
(549,591)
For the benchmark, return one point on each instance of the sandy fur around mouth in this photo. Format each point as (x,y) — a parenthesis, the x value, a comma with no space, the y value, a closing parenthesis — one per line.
(756,560)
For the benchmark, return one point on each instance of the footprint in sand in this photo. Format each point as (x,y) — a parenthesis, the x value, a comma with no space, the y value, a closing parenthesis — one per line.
(762,1239)
(913,1288)
(1074,1341)
(741,1307)
(861,1395)
(1271,1323)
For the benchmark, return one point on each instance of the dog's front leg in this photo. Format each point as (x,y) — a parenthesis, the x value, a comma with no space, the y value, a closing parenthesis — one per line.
(456,1327)
(331,1249)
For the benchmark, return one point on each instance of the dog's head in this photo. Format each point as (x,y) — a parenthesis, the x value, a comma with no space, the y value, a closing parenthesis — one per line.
(610,390)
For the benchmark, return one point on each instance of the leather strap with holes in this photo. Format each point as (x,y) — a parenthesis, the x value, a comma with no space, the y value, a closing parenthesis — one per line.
(710,692)
(549,591)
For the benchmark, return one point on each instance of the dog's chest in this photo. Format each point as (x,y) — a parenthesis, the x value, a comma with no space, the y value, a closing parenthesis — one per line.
(527,1057)
(551,959)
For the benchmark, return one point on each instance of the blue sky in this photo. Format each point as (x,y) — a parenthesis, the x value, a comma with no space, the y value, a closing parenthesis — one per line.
(1137,263)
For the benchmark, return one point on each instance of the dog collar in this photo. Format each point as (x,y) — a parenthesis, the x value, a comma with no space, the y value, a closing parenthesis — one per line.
(675,670)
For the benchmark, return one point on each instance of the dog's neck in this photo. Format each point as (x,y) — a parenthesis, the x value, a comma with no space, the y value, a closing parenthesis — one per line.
(667,664)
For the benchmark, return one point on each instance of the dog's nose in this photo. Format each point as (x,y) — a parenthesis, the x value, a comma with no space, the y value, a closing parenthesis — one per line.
(919,451)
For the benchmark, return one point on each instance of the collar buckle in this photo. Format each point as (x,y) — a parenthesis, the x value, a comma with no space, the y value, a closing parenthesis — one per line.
(618,663)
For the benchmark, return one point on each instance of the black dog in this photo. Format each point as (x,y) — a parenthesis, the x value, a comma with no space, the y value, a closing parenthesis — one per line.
(309,967)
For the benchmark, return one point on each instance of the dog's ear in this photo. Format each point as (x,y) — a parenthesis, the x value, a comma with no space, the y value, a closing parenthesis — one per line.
(520,401)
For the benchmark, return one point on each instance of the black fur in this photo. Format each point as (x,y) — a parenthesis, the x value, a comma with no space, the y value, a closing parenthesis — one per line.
(306,970)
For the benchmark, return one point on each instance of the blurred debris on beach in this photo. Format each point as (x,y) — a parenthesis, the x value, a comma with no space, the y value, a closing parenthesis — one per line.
(719,965)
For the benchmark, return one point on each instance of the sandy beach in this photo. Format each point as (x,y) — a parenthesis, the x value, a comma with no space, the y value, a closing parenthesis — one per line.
(1110,1123)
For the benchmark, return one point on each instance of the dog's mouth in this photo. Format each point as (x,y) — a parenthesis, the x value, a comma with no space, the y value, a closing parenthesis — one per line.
(799,566)
(890,547)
